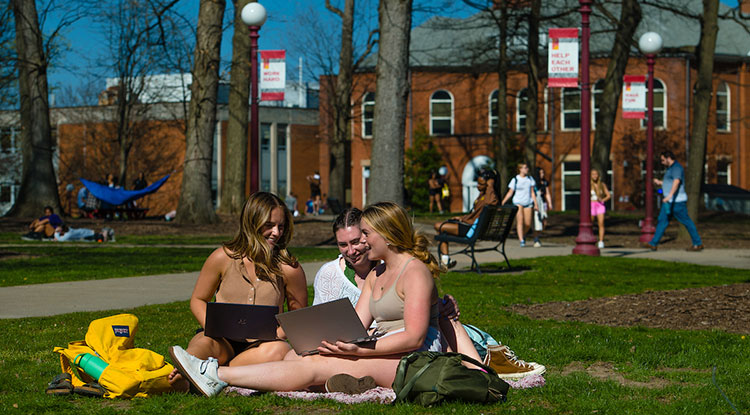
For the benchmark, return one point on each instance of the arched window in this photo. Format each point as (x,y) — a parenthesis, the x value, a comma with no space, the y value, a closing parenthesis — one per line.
(441,113)
(722,107)
(660,105)
(368,111)
(521,99)
(570,108)
(493,111)
(596,101)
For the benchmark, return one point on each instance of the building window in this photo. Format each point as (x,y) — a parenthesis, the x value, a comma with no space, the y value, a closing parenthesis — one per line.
(596,101)
(6,193)
(493,111)
(441,113)
(281,158)
(660,106)
(722,107)
(8,140)
(571,109)
(368,113)
(571,185)
(265,157)
(522,98)
(724,172)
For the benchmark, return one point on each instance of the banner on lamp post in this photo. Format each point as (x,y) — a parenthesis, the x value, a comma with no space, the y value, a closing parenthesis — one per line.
(562,58)
(634,96)
(272,75)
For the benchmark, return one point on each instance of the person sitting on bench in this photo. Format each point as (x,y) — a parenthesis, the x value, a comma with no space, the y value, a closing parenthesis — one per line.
(460,225)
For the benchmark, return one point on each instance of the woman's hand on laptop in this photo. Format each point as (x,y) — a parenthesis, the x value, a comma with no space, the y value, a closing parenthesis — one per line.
(339,348)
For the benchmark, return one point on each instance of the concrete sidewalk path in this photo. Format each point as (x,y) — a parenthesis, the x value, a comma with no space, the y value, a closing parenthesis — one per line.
(122,293)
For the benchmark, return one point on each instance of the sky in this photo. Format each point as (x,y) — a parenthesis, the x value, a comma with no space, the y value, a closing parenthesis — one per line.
(279,31)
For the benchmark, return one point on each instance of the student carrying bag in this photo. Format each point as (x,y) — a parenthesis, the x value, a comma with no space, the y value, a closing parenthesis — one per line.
(429,378)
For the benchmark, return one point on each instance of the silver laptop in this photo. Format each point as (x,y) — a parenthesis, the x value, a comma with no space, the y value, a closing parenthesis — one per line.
(333,321)
(241,321)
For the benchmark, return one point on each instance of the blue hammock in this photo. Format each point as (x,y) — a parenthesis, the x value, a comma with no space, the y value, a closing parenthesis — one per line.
(117,197)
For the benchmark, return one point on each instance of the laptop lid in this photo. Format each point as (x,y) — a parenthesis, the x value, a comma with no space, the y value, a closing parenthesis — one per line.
(241,321)
(336,320)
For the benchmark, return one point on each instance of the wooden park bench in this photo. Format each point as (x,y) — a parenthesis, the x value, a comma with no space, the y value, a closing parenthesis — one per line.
(494,225)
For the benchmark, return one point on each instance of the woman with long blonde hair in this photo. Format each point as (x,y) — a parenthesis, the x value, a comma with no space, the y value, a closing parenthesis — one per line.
(253,268)
(599,196)
(399,294)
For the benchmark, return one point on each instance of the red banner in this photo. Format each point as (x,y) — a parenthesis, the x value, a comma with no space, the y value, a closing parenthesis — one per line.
(634,96)
(272,75)
(562,58)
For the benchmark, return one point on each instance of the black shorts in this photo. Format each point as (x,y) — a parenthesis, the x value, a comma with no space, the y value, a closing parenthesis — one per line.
(434,192)
(239,346)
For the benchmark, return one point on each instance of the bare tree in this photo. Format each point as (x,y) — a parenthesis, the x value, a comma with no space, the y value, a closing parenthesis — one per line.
(630,17)
(701,105)
(233,187)
(8,78)
(392,90)
(38,183)
(195,204)
(532,105)
(140,36)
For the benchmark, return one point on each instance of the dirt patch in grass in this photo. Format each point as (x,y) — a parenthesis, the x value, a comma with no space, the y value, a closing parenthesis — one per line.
(307,231)
(5,255)
(607,371)
(725,307)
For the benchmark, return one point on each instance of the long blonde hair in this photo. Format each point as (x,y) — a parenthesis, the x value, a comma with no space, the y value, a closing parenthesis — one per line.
(249,242)
(598,185)
(392,223)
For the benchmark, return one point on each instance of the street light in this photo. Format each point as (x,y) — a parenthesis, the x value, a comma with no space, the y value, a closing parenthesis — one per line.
(254,15)
(585,241)
(650,44)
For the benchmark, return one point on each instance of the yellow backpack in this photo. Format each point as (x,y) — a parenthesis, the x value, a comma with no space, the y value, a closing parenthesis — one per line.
(132,372)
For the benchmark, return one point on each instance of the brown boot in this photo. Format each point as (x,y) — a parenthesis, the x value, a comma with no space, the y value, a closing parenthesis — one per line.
(508,366)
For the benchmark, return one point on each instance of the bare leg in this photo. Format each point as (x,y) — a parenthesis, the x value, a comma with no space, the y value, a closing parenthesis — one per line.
(439,203)
(457,338)
(265,352)
(527,219)
(519,222)
(289,375)
(600,221)
(449,228)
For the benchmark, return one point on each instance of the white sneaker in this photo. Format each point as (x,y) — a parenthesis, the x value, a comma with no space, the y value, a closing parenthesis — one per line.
(537,244)
(600,245)
(203,374)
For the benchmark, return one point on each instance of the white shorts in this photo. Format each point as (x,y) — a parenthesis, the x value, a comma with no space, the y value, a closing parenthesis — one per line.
(433,341)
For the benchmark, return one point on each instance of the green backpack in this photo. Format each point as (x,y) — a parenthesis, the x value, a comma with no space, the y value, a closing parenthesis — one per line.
(428,378)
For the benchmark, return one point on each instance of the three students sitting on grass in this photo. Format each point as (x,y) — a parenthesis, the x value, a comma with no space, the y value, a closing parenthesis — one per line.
(398,293)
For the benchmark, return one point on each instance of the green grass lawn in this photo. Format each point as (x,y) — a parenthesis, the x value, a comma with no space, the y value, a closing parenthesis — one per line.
(55,263)
(650,370)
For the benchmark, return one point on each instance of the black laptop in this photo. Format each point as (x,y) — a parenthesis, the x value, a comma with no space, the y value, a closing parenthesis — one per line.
(241,321)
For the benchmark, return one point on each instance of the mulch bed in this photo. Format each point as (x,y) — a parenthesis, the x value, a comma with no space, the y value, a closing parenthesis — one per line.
(725,307)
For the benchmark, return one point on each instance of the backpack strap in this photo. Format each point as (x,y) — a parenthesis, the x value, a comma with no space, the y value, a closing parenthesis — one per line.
(410,384)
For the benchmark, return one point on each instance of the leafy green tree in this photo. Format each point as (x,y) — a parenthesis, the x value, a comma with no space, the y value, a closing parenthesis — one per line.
(421,160)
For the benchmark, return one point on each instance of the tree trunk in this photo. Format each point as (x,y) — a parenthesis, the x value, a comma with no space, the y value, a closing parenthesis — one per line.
(391,93)
(38,182)
(532,105)
(501,134)
(342,107)
(235,172)
(195,206)
(701,104)
(630,17)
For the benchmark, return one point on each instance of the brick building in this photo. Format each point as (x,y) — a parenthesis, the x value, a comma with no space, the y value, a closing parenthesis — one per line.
(454,85)
(85,148)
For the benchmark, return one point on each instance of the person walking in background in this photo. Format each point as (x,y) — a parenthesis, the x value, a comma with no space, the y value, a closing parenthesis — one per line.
(315,191)
(436,189)
(140,182)
(674,203)
(544,204)
(521,189)
(599,196)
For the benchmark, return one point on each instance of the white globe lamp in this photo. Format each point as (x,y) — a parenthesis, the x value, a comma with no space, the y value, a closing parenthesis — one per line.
(254,14)
(649,43)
